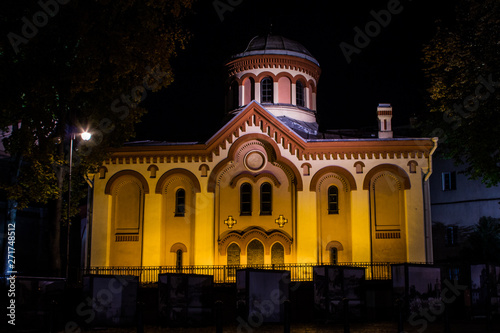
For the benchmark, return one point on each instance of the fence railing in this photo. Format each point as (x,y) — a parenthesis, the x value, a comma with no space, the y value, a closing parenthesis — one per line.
(227,274)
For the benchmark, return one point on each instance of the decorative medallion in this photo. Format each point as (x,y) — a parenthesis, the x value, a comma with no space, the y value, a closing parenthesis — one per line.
(281,221)
(230,222)
(255,160)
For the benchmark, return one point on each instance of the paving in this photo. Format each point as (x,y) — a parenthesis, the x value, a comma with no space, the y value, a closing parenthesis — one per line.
(380,327)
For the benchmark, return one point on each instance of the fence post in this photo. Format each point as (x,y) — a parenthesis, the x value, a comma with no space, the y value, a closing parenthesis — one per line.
(400,306)
(447,328)
(218,317)
(286,317)
(226,274)
(347,328)
(140,318)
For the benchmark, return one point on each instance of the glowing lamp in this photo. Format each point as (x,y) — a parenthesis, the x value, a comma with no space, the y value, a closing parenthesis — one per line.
(86,136)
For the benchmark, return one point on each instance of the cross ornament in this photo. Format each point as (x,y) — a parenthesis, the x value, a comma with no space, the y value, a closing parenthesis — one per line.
(281,221)
(230,222)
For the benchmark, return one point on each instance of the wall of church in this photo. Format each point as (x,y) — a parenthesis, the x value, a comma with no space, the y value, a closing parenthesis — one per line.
(254,206)
(101,225)
(388,218)
(162,230)
(334,211)
(281,205)
(399,216)
(126,222)
(257,192)
(178,220)
(374,212)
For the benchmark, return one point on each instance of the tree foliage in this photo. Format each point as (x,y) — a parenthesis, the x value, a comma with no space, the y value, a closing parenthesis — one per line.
(483,243)
(70,66)
(84,69)
(461,64)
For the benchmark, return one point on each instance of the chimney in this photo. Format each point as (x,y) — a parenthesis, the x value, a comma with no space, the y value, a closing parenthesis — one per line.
(384,115)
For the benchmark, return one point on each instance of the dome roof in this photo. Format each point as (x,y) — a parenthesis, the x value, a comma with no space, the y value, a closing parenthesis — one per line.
(272,44)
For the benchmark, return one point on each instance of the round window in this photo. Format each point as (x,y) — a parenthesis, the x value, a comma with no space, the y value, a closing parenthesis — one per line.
(255,160)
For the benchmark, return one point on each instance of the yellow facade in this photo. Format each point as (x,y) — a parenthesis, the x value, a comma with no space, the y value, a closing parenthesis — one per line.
(257,192)
(378,183)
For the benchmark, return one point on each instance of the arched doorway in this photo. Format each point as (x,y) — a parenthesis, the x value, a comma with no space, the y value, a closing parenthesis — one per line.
(334,255)
(277,254)
(255,253)
(233,255)
(178,259)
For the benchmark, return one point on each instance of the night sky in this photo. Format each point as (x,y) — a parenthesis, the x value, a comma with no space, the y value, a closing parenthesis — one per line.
(386,70)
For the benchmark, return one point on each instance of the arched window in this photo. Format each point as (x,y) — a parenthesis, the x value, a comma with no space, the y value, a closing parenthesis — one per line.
(387,201)
(333,200)
(334,255)
(233,259)
(266,199)
(180,202)
(266,90)
(127,216)
(255,253)
(233,255)
(277,254)
(246,199)
(127,210)
(178,259)
(299,87)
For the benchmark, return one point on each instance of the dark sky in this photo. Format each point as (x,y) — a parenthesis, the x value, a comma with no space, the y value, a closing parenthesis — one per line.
(387,70)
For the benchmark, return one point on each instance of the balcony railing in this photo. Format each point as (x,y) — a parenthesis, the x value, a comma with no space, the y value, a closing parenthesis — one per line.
(227,274)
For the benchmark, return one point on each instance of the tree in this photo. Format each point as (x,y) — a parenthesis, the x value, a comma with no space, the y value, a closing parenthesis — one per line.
(70,66)
(483,243)
(461,64)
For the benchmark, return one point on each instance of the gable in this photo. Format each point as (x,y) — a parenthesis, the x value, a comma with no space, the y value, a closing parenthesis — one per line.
(255,115)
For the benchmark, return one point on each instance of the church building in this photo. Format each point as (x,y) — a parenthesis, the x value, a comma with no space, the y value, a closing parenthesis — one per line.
(267,187)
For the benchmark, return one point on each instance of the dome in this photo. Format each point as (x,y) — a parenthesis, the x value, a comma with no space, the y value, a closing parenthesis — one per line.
(272,44)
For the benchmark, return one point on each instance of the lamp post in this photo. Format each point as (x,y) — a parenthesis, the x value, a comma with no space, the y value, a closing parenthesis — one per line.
(85,136)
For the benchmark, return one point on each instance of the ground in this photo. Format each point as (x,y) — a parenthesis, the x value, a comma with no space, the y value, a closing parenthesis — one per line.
(476,326)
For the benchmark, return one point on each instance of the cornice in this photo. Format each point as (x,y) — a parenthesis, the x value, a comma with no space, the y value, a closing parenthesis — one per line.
(255,115)
(285,62)
(368,149)
(331,150)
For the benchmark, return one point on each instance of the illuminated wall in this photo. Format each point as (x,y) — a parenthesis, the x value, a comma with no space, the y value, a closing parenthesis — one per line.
(344,201)
(126,221)
(258,192)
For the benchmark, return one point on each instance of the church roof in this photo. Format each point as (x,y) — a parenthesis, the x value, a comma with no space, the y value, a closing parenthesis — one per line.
(274,44)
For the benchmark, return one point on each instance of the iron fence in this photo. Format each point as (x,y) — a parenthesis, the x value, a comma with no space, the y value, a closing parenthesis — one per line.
(227,273)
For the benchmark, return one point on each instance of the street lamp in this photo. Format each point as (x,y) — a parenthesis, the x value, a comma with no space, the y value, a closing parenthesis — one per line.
(85,136)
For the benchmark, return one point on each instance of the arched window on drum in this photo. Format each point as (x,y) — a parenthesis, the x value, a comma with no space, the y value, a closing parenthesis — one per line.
(266,90)
(299,94)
